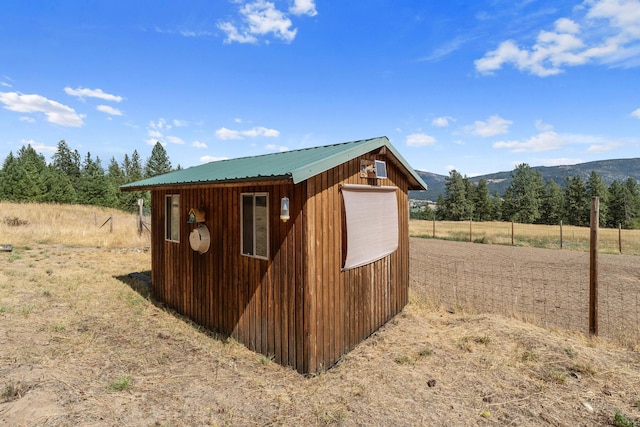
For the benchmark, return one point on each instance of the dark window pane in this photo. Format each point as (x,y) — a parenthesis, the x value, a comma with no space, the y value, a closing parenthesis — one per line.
(261,226)
(247,224)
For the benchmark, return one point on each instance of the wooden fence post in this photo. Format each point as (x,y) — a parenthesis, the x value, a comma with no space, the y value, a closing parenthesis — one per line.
(620,237)
(593,267)
(560,234)
(470,235)
(512,233)
(434,227)
(140,204)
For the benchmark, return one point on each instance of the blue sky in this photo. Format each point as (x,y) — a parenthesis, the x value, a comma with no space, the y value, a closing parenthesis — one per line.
(477,86)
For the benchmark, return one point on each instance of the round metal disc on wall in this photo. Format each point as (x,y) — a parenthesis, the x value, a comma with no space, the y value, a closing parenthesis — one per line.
(200,239)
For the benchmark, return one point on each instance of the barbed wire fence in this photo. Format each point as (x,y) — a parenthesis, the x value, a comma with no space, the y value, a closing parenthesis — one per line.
(547,287)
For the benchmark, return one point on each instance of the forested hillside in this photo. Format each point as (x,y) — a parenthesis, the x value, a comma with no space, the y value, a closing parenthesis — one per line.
(72,178)
(529,199)
(609,170)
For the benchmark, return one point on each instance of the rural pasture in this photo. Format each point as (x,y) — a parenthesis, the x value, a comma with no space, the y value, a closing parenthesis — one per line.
(82,343)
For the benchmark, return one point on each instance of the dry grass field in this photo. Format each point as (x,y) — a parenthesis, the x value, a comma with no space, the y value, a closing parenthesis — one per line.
(534,235)
(81,343)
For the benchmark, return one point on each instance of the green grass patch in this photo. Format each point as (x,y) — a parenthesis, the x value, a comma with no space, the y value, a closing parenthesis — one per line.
(120,384)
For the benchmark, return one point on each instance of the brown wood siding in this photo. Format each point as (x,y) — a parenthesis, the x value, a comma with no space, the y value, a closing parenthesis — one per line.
(297,306)
(258,302)
(345,307)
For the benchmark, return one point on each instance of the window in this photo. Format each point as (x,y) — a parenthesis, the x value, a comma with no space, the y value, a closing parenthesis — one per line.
(255,225)
(371,219)
(172,218)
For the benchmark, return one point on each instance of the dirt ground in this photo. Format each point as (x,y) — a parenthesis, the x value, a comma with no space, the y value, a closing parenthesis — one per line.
(545,286)
(81,344)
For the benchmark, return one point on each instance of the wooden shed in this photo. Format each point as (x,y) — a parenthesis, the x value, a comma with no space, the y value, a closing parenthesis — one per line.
(298,255)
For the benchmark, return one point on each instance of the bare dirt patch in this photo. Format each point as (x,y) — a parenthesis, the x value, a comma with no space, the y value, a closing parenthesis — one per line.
(545,286)
(85,346)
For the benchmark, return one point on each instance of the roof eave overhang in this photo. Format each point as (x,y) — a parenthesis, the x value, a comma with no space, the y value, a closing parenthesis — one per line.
(239,182)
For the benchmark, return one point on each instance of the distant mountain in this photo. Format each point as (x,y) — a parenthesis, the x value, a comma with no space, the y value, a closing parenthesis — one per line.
(610,170)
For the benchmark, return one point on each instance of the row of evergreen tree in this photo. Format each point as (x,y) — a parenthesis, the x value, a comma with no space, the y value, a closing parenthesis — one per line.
(68,178)
(531,200)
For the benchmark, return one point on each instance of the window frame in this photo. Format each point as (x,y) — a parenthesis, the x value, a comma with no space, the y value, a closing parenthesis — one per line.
(254,230)
(171,224)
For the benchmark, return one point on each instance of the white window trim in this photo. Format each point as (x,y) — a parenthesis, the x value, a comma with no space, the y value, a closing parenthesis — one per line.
(254,195)
(168,202)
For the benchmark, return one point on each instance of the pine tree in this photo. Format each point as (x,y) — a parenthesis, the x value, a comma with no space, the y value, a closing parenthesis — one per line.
(597,188)
(158,163)
(496,206)
(456,205)
(523,197)
(577,202)
(132,169)
(68,162)
(633,197)
(618,214)
(116,178)
(552,204)
(58,188)
(94,188)
(25,175)
(9,176)
(441,212)
(482,202)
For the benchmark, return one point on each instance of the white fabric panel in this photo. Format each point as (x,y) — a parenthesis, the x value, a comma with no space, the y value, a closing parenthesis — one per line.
(372,223)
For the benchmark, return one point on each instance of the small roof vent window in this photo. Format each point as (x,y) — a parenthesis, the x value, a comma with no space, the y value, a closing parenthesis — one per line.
(381,169)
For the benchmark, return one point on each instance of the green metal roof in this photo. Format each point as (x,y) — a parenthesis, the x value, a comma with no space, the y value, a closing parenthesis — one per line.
(295,165)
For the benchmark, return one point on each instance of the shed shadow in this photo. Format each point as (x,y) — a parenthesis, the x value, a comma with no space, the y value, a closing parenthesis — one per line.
(140,282)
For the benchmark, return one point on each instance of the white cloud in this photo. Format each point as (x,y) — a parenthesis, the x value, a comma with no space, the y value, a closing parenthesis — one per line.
(274,147)
(207,159)
(224,133)
(419,140)
(175,140)
(233,35)
(603,148)
(154,141)
(92,93)
(27,119)
(543,127)
(259,18)
(442,122)
(495,125)
(5,84)
(261,131)
(304,7)
(544,141)
(40,147)
(199,144)
(109,110)
(636,114)
(609,33)
(180,123)
(154,133)
(54,111)
(160,124)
